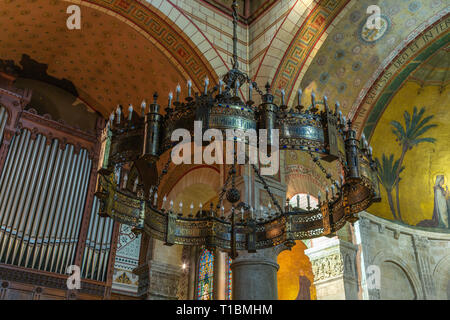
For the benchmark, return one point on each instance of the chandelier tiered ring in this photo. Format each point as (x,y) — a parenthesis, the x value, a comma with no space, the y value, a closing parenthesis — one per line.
(141,140)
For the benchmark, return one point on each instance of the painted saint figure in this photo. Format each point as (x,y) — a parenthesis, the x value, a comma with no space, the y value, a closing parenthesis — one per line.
(441,202)
(441,211)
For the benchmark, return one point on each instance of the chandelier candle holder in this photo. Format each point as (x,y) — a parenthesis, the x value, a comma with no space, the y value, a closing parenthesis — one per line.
(136,143)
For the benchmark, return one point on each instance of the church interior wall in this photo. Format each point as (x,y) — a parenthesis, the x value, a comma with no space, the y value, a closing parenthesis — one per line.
(407,258)
(116,263)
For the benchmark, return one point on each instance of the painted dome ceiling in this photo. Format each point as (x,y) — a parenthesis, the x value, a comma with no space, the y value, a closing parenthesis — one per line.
(105,63)
(435,71)
(351,53)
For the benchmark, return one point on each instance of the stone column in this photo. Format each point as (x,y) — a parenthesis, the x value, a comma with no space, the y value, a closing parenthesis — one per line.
(158,281)
(369,289)
(333,263)
(422,254)
(192,272)
(220,276)
(255,275)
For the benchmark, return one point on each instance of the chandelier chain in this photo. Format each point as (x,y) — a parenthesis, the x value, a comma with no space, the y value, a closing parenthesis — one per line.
(163,173)
(267,188)
(324,171)
(235,39)
(222,192)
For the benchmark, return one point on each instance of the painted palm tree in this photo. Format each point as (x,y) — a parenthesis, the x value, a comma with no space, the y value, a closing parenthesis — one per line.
(387,176)
(410,136)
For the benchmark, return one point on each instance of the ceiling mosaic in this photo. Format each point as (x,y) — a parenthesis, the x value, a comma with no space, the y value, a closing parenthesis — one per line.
(435,71)
(105,63)
(351,53)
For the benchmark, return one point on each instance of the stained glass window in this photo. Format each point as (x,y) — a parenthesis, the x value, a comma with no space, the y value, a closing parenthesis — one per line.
(205,276)
(229,279)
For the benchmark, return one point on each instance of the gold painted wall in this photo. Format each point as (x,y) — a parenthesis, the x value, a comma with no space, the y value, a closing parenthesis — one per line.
(424,162)
(294,264)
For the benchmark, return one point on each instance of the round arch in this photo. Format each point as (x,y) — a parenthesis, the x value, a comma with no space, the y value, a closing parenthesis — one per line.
(382,256)
(442,272)
(189,183)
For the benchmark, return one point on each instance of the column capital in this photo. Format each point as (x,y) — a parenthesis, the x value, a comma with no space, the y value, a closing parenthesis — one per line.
(263,255)
(421,242)
(334,267)
(421,250)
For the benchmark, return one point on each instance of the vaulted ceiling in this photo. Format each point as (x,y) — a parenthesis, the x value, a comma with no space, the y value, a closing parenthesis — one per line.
(435,71)
(256,7)
(351,54)
(105,63)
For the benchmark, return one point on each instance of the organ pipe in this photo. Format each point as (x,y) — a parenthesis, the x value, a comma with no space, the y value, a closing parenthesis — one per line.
(3,119)
(43,189)
(98,246)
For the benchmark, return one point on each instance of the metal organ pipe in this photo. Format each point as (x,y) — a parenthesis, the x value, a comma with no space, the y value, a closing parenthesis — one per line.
(105,250)
(43,190)
(88,239)
(3,119)
(28,191)
(50,210)
(60,237)
(82,189)
(70,213)
(4,178)
(12,194)
(38,216)
(30,208)
(98,246)
(75,211)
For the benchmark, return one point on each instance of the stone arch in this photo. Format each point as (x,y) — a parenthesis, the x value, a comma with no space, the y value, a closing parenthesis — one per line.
(303,175)
(441,277)
(395,69)
(202,174)
(320,20)
(299,183)
(175,40)
(383,257)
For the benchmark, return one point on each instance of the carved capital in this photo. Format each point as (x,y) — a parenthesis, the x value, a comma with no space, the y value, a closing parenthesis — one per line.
(328,267)
(420,242)
(364,224)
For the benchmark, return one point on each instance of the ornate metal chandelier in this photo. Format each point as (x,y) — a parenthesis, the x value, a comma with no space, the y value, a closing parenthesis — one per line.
(139,141)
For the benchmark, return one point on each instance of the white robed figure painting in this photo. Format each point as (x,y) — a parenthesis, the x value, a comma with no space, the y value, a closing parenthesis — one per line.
(441,202)
(441,211)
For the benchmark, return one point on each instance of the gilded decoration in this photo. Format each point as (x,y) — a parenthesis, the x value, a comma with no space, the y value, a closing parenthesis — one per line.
(328,267)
